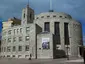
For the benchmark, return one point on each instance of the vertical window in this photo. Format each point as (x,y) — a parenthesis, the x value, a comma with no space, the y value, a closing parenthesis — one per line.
(20,48)
(9,39)
(17,30)
(14,48)
(27,48)
(30,16)
(14,31)
(57,32)
(14,39)
(13,55)
(24,15)
(8,49)
(47,26)
(8,55)
(27,38)
(20,38)
(9,32)
(20,30)
(66,34)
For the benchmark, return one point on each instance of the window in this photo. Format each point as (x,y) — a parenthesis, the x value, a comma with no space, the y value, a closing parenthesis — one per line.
(60,16)
(54,15)
(20,38)
(30,16)
(20,48)
(14,31)
(57,32)
(17,30)
(9,32)
(13,55)
(27,38)
(9,39)
(14,48)
(47,26)
(8,55)
(37,18)
(27,29)
(65,17)
(27,48)
(48,16)
(24,15)
(14,39)
(42,16)
(20,30)
(66,34)
(8,49)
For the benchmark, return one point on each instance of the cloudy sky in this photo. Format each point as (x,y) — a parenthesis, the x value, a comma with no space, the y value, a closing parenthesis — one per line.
(13,8)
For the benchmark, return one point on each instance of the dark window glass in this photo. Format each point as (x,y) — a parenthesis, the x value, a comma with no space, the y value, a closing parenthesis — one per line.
(60,16)
(9,32)
(8,55)
(24,15)
(30,16)
(57,32)
(42,16)
(20,30)
(13,56)
(27,48)
(66,34)
(20,38)
(20,48)
(9,39)
(54,15)
(14,39)
(17,30)
(48,16)
(14,48)
(8,49)
(47,26)
(14,31)
(37,18)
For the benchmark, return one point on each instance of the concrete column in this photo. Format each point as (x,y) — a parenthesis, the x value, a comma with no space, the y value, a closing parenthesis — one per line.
(61,25)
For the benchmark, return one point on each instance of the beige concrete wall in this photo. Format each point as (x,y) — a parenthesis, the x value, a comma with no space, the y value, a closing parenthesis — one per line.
(44,53)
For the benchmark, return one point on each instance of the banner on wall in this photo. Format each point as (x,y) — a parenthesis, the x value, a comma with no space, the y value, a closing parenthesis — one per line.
(45,43)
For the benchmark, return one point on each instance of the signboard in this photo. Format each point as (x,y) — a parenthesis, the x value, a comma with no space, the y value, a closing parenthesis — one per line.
(45,43)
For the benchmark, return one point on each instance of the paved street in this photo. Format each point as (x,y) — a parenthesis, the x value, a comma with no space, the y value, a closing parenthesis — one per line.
(44,61)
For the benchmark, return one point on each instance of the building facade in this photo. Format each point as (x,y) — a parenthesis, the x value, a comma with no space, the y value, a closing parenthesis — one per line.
(47,35)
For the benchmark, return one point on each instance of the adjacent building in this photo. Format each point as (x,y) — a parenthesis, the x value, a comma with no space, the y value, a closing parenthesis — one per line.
(46,35)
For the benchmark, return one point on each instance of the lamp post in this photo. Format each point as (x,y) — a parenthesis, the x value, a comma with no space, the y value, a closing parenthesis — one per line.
(68,49)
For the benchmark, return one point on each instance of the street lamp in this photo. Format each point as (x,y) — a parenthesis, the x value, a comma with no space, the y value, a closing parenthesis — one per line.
(68,49)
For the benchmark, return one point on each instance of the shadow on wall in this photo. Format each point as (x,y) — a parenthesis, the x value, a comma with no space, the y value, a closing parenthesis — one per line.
(60,54)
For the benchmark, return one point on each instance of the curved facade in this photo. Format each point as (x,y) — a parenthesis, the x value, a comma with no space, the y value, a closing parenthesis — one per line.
(46,37)
(64,23)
